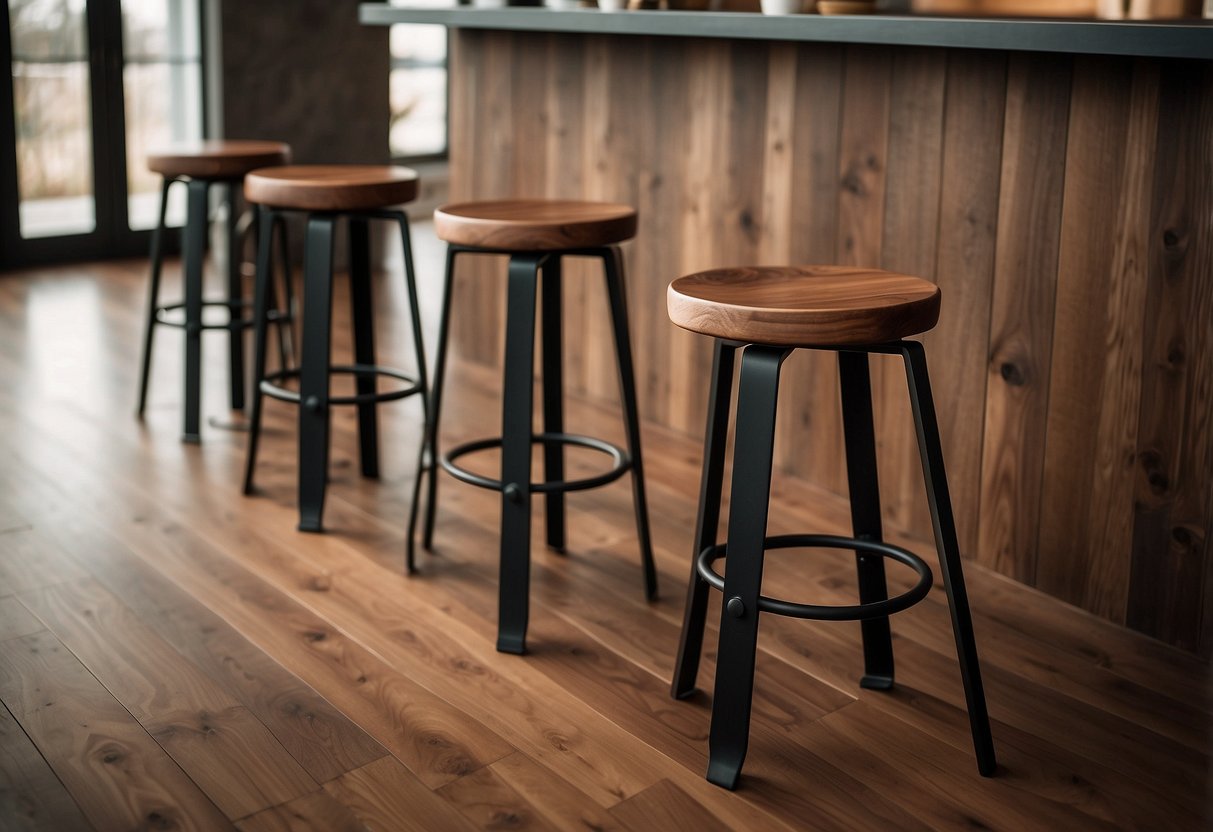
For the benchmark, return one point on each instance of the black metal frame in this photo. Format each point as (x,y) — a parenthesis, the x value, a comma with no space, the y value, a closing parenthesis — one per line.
(194,237)
(747,542)
(112,236)
(315,368)
(524,288)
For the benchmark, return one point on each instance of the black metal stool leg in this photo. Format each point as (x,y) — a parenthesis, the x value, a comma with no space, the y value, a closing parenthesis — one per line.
(193,254)
(444,328)
(715,437)
(516,429)
(616,290)
(235,298)
(410,280)
(860,438)
(314,370)
(263,284)
(553,399)
(157,257)
(286,328)
(750,493)
(949,552)
(361,304)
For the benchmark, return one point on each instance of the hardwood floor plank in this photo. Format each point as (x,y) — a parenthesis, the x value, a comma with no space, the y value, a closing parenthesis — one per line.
(665,806)
(31,796)
(315,812)
(552,797)
(218,742)
(15,619)
(385,795)
(113,769)
(25,566)
(488,802)
(324,741)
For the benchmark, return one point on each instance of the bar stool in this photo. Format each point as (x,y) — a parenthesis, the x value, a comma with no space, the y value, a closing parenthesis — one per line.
(536,235)
(201,166)
(774,311)
(328,194)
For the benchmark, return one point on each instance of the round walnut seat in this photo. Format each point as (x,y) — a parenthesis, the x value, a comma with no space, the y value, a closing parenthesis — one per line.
(803,305)
(331,187)
(217,159)
(535,224)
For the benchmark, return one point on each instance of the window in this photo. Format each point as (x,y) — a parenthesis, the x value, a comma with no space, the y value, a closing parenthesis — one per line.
(418,88)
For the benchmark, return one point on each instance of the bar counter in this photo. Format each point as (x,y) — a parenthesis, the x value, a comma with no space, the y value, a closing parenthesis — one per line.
(1054,178)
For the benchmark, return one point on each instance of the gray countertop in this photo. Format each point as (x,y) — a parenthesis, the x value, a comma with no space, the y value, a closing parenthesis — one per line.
(1193,39)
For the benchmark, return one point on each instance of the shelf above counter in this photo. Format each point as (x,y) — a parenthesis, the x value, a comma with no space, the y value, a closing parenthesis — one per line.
(1169,39)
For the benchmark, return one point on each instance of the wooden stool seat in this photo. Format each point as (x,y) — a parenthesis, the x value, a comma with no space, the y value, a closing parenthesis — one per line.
(535,224)
(803,305)
(217,159)
(331,187)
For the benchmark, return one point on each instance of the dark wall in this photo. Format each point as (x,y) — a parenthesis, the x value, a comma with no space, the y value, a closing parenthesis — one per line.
(306,72)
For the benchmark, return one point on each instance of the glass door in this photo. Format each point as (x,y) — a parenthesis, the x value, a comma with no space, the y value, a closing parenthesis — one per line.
(93,86)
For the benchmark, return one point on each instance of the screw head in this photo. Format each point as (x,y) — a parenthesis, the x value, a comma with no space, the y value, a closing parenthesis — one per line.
(735,607)
(512,492)
(312,403)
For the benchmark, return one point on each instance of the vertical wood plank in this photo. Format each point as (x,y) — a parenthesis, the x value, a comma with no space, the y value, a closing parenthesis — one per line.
(968,219)
(1091,438)
(1174,447)
(1021,331)
(809,387)
(908,246)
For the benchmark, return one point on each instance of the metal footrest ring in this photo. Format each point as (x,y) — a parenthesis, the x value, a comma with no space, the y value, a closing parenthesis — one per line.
(622,462)
(162,315)
(854,612)
(271,388)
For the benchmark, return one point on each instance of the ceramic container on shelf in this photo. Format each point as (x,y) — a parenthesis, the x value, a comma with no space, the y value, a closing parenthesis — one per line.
(783,6)
(612,5)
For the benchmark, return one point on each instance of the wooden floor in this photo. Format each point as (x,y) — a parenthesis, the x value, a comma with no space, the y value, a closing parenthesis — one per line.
(175,655)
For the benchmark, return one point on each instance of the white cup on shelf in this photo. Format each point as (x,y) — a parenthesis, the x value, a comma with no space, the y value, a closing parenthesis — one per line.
(612,5)
(782,6)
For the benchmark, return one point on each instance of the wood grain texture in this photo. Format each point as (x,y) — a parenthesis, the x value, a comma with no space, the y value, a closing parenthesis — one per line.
(803,305)
(218,742)
(331,187)
(534,224)
(31,796)
(218,159)
(1095,383)
(1171,523)
(118,775)
(1007,180)
(1021,331)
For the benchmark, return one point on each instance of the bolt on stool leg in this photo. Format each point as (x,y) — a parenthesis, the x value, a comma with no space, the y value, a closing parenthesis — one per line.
(516,426)
(314,370)
(613,264)
(157,258)
(944,524)
(193,254)
(750,494)
(863,485)
(715,439)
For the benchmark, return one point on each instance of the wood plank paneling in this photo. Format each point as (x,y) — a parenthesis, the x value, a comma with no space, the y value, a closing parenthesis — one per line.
(1174,448)
(1095,382)
(1024,185)
(1021,324)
